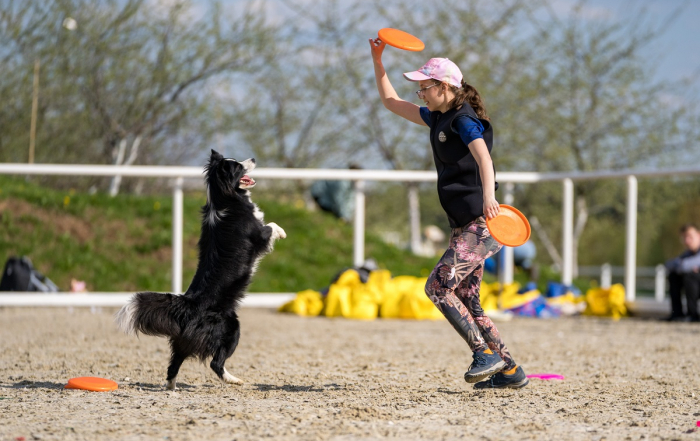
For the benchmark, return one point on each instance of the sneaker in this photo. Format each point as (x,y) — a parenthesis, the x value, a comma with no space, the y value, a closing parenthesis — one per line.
(501,380)
(483,366)
(676,318)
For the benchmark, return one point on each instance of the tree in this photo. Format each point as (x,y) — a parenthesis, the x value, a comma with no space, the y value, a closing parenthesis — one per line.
(598,107)
(130,84)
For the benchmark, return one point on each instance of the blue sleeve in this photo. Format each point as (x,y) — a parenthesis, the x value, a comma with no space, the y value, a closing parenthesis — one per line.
(468,128)
(690,264)
(425,114)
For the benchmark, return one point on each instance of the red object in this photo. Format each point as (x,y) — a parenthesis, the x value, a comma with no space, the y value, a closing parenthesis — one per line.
(400,39)
(510,227)
(698,424)
(94,384)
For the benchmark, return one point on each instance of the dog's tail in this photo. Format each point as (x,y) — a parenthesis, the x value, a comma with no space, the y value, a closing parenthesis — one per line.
(153,313)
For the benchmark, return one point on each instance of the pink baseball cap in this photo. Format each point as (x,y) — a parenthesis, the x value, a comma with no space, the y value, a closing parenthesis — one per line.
(440,69)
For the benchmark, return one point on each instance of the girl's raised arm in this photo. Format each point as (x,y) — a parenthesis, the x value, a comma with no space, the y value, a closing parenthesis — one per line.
(389,97)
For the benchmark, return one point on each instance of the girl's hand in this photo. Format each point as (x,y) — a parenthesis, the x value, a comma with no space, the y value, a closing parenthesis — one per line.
(491,208)
(377,49)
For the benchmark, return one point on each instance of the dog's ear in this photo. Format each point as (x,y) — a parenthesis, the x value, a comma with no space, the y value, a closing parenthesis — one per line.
(215,156)
(214,160)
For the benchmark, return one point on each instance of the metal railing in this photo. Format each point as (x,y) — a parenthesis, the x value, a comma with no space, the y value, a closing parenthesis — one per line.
(653,277)
(179,173)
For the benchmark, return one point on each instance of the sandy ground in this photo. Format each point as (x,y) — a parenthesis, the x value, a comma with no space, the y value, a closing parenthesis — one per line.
(337,379)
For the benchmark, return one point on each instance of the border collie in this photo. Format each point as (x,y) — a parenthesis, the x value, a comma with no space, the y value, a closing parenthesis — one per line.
(203,322)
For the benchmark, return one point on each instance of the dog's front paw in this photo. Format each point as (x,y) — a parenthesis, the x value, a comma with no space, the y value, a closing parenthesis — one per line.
(230,379)
(277,231)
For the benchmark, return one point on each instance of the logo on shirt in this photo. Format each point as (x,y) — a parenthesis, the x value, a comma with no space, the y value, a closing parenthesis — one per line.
(442,137)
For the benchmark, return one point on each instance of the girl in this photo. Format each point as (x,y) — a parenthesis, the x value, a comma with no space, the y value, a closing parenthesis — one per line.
(461,137)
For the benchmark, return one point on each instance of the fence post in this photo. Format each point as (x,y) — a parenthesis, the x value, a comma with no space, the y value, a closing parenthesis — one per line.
(605,275)
(414,217)
(177,237)
(358,251)
(631,240)
(506,271)
(568,234)
(660,283)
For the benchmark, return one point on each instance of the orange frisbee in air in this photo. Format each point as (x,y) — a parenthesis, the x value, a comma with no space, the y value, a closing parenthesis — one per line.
(94,384)
(510,227)
(400,39)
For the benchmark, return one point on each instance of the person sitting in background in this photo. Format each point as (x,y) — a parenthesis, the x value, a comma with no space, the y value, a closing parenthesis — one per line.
(684,275)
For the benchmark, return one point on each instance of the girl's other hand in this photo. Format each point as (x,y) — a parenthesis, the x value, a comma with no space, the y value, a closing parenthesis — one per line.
(377,49)
(491,208)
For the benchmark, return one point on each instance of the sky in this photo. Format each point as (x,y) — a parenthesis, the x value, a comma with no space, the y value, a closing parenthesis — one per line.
(679,45)
(676,50)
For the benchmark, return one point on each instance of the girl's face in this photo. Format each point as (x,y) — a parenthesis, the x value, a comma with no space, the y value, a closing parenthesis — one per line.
(435,95)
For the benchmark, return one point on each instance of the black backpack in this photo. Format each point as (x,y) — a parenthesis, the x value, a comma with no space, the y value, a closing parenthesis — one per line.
(19,275)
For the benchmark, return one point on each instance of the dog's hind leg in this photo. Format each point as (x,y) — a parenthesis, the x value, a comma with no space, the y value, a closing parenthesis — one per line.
(224,352)
(176,360)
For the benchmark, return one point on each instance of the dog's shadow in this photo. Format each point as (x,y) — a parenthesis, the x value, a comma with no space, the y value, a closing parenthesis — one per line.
(295,388)
(150,387)
(160,387)
(28,384)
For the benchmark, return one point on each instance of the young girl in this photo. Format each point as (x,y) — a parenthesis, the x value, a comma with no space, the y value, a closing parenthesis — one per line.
(461,137)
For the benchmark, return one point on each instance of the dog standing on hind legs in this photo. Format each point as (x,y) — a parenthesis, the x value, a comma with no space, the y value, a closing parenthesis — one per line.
(203,322)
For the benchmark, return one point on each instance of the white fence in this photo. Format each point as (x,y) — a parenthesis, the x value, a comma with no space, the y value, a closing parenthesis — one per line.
(653,279)
(359,177)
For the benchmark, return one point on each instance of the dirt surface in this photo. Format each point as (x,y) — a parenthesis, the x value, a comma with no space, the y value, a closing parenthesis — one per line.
(337,379)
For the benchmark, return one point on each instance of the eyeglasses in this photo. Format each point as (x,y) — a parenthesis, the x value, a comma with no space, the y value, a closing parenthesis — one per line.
(422,91)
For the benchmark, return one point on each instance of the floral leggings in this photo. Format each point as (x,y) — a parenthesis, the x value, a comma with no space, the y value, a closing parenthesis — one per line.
(454,285)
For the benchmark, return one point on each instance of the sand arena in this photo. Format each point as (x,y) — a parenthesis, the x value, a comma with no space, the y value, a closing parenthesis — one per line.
(338,379)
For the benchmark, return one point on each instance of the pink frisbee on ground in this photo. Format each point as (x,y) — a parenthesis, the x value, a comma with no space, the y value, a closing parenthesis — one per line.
(546,376)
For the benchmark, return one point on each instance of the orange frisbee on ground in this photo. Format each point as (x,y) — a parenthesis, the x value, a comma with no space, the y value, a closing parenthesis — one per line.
(400,39)
(94,384)
(510,227)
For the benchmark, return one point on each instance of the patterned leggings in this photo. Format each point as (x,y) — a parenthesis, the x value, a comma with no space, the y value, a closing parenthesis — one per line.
(454,285)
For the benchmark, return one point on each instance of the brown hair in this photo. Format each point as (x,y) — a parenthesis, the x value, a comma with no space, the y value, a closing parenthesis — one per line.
(468,94)
(684,228)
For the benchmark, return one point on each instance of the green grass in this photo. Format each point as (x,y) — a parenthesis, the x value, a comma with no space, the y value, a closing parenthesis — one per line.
(124,243)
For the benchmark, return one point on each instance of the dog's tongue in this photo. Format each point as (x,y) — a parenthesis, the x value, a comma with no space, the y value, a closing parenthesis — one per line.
(247,180)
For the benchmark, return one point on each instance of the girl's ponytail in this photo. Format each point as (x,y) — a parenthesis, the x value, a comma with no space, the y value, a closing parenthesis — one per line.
(469,95)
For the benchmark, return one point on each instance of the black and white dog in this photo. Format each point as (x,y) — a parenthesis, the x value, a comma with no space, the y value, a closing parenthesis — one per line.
(203,322)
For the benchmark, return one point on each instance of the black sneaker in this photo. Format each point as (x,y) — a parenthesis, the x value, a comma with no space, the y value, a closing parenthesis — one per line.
(676,318)
(484,365)
(501,380)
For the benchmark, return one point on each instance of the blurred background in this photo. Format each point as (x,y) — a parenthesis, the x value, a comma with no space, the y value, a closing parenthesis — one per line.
(569,86)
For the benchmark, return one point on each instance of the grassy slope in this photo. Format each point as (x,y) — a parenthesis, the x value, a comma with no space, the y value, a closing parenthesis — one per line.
(124,243)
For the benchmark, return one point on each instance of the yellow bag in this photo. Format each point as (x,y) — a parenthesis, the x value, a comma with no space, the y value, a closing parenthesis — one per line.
(364,304)
(338,301)
(308,302)
(606,302)
(488,296)
(415,304)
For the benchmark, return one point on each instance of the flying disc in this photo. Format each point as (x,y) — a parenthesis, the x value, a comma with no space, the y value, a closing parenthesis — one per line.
(94,384)
(510,227)
(400,39)
(546,376)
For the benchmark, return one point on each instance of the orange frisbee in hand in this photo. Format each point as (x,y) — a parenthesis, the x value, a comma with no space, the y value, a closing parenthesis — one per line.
(400,39)
(510,227)
(94,384)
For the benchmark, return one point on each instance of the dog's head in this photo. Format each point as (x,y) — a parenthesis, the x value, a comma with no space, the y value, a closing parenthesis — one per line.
(229,175)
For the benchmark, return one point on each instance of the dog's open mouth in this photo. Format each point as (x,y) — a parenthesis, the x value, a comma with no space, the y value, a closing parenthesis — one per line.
(247,181)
